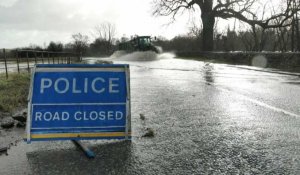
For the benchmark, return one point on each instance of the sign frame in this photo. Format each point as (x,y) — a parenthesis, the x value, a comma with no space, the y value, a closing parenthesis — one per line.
(84,67)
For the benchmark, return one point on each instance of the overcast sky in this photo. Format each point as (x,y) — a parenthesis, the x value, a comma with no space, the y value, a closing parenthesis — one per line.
(24,22)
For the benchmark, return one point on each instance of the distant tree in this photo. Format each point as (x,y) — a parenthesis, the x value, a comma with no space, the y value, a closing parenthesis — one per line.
(104,38)
(106,31)
(32,47)
(24,54)
(55,47)
(68,47)
(124,38)
(100,47)
(184,43)
(231,37)
(80,43)
(212,9)
(247,40)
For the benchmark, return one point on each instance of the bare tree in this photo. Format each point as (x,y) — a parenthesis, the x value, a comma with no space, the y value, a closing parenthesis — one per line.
(247,40)
(295,40)
(297,31)
(80,43)
(225,9)
(104,38)
(106,32)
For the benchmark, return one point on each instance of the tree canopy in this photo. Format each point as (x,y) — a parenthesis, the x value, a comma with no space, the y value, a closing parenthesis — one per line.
(243,10)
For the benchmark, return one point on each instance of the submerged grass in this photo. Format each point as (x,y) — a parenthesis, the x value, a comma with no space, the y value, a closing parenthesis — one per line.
(13,91)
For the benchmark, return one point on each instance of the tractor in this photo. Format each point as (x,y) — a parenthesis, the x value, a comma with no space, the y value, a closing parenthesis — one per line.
(138,43)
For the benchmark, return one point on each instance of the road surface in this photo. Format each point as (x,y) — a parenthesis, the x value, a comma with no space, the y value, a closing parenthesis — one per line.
(207,119)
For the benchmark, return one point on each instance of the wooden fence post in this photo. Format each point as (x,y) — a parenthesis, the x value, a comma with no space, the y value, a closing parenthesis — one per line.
(28,67)
(4,54)
(48,58)
(42,57)
(35,57)
(18,61)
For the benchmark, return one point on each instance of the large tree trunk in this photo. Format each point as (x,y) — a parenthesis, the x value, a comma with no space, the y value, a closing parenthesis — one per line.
(293,35)
(208,22)
(208,33)
(297,33)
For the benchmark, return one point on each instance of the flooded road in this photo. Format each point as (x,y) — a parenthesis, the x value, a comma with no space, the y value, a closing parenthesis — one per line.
(207,119)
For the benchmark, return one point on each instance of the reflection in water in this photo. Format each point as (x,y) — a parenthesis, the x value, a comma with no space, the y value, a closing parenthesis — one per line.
(208,73)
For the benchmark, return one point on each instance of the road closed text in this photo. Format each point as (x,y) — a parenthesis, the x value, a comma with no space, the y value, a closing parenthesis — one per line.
(78,116)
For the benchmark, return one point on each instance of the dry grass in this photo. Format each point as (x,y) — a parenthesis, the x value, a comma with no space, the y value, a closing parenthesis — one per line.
(13,91)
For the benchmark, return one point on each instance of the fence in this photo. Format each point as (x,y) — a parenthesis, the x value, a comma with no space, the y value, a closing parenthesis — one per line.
(24,60)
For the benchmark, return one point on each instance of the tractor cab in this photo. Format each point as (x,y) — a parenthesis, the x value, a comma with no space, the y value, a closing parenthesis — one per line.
(144,40)
(142,43)
(138,43)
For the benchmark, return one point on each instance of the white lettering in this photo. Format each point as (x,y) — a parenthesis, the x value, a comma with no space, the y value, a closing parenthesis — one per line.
(86,85)
(47,118)
(119,115)
(97,85)
(74,90)
(112,85)
(65,116)
(110,115)
(93,85)
(56,116)
(77,117)
(84,116)
(102,115)
(93,113)
(66,83)
(38,116)
(44,85)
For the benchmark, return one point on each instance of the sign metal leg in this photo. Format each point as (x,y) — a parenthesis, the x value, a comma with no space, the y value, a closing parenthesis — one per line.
(89,153)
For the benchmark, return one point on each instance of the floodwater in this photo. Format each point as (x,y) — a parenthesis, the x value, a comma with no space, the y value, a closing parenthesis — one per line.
(207,118)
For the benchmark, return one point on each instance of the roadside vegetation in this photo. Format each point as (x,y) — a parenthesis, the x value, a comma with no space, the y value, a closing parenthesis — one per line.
(204,59)
(13,91)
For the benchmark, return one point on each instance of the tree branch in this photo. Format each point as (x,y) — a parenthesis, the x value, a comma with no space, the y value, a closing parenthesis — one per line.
(227,13)
(172,7)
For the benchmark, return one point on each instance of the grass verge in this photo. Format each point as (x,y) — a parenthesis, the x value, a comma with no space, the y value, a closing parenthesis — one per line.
(13,91)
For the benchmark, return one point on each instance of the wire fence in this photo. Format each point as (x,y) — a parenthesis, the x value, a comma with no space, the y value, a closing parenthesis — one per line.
(24,60)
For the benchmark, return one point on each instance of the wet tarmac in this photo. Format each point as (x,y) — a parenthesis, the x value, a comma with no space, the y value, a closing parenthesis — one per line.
(207,119)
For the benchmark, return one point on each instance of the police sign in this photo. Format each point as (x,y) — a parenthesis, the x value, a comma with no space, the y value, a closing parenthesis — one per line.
(73,102)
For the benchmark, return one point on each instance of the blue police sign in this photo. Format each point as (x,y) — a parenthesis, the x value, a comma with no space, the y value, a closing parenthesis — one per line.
(73,102)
